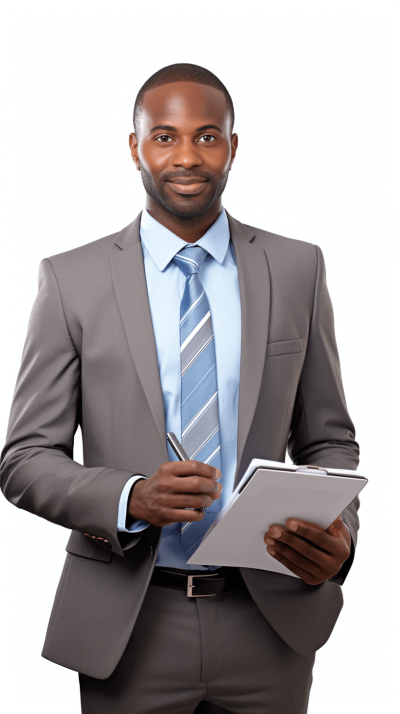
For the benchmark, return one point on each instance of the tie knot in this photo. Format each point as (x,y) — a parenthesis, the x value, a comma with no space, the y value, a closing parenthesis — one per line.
(190,258)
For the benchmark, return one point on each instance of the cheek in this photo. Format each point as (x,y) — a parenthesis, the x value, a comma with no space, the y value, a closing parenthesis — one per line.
(152,159)
(218,155)
(221,160)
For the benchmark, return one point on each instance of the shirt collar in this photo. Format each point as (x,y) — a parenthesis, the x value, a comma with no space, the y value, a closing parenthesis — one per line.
(162,244)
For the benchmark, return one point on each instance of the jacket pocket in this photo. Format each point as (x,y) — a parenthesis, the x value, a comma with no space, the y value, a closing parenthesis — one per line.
(287,347)
(80,544)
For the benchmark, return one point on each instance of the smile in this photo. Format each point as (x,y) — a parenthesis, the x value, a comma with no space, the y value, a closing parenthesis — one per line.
(191,185)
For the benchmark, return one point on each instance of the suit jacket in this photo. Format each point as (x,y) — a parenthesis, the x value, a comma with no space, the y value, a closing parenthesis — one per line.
(90,360)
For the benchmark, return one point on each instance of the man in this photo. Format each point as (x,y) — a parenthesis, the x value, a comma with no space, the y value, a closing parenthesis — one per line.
(191,322)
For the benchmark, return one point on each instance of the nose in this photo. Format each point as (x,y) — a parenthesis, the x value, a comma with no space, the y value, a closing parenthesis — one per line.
(186,154)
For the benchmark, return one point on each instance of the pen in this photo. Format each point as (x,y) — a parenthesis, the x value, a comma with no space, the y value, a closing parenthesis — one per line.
(182,456)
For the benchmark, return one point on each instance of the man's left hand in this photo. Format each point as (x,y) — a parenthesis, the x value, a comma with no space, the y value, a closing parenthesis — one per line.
(310,552)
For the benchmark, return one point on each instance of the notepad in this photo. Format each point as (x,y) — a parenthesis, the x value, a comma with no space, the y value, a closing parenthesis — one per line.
(271,492)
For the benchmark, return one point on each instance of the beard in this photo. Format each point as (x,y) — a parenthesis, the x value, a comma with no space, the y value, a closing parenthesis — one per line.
(185,206)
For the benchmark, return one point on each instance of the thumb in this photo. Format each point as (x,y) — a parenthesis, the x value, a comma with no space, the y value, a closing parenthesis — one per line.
(337,527)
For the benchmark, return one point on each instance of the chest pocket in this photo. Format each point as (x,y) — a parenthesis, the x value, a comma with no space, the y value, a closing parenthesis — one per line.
(287,347)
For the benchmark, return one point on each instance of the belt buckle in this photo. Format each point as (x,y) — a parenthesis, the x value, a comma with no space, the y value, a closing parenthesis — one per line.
(190,585)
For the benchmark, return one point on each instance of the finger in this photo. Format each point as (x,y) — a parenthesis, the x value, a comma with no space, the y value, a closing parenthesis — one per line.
(342,537)
(188,500)
(191,468)
(313,533)
(334,540)
(337,528)
(177,515)
(305,575)
(195,484)
(286,540)
(297,558)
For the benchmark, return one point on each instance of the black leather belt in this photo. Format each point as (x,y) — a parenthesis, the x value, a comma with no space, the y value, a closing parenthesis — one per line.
(199,584)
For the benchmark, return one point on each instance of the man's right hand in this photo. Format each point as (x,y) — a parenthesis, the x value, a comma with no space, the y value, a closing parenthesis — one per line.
(175,486)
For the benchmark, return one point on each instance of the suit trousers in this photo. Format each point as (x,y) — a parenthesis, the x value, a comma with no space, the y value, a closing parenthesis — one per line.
(185,652)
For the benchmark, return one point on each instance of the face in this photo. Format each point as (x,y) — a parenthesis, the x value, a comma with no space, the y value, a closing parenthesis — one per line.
(184,148)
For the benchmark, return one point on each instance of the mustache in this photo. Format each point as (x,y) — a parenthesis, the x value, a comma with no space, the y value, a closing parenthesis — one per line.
(187,174)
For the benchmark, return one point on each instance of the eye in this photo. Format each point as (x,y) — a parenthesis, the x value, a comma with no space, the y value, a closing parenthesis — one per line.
(163,139)
(207,138)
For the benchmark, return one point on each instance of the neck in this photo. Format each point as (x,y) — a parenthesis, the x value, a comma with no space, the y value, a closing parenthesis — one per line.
(189,229)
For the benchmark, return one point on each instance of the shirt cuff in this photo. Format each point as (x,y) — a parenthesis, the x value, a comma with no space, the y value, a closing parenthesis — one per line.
(137,525)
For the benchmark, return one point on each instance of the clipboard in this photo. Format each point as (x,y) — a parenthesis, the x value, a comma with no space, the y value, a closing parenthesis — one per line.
(271,492)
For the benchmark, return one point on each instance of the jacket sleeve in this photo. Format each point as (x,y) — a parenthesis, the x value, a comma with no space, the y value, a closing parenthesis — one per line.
(322,433)
(38,472)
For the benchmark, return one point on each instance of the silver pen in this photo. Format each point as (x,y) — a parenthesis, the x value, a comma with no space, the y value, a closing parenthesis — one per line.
(182,456)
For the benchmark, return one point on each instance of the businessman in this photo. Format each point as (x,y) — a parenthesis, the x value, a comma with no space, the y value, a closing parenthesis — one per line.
(186,321)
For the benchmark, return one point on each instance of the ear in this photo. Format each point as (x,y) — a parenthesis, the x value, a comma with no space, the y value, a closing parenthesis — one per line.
(234,146)
(133,143)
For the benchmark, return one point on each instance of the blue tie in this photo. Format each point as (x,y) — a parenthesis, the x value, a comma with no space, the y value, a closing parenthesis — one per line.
(199,398)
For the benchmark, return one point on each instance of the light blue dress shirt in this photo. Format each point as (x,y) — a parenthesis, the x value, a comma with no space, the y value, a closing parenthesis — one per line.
(165,286)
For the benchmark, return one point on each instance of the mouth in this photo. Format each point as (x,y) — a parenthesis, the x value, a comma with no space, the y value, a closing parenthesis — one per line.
(191,185)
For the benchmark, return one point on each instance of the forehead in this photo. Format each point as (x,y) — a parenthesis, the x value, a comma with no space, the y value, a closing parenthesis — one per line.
(182,103)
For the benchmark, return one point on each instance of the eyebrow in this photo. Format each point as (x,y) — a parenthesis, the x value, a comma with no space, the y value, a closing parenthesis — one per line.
(166,127)
(209,126)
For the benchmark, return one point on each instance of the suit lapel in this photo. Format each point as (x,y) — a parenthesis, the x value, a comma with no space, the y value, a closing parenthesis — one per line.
(129,280)
(254,287)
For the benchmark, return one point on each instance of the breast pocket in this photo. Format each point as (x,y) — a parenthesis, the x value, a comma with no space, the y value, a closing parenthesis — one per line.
(286,347)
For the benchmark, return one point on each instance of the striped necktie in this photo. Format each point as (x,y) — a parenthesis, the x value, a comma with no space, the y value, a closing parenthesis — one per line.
(199,398)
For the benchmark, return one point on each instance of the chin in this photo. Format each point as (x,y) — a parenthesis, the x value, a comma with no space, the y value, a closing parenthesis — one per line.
(188,209)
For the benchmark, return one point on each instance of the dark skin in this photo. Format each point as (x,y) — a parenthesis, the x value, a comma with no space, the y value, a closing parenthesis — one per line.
(312,553)
(184,148)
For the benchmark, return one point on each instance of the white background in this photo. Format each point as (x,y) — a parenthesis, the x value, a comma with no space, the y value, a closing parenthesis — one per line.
(315,89)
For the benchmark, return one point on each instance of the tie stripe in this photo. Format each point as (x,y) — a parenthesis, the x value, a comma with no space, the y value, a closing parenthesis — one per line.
(205,442)
(198,385)
(198,415)
(196,329)
(190,359)
(199,395)
(193,375)
(196,437)
(191,308)
(192,314)
(214,454)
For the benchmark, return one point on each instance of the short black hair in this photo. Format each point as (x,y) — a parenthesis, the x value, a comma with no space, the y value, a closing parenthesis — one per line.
(182,72)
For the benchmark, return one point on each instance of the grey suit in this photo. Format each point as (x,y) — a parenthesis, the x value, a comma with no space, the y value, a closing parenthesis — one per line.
(90,360)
